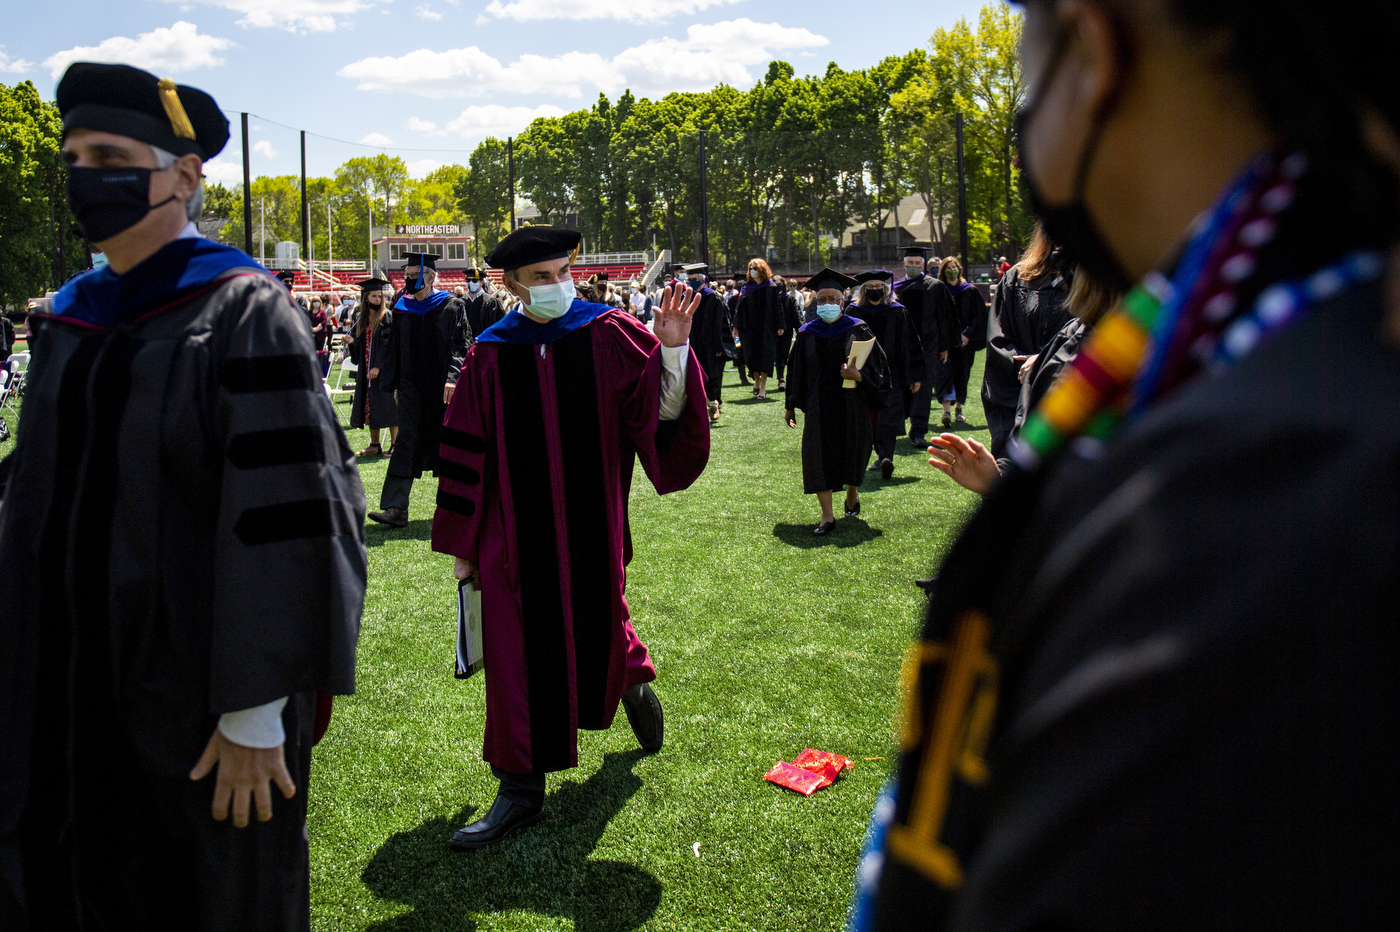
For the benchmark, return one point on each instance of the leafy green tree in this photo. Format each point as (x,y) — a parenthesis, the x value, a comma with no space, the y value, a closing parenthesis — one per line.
(39,246)
(483,194)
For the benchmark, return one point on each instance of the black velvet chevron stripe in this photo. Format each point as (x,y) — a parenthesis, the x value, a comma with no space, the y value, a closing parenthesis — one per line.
(541,599)
(281,447)
(456,504)
(268,374)
(271,524)
(457,472)
(586,502)
(461,440)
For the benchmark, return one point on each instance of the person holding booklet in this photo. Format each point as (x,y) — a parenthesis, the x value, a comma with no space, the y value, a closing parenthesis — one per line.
(837,375)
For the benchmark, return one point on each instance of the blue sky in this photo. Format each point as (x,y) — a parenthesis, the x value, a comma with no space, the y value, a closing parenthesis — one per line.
(428,79)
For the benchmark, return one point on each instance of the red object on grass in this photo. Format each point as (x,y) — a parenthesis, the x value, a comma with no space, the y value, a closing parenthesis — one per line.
(795,778)
(816,761)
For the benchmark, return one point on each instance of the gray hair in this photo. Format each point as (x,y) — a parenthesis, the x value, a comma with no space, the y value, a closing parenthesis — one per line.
(194,207)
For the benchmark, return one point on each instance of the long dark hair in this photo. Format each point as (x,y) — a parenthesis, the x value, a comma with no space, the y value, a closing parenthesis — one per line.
(371,314)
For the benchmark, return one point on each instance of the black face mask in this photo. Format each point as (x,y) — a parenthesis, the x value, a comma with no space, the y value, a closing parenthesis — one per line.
(1070,226)
(108,201)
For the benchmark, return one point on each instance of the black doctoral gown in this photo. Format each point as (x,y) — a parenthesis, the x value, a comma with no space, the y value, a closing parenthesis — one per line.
(1187,636)
(837,431)
(423,353)
(1024,316)
(758,315)
(483,310)
(903,350)
(711,334)
(182,536)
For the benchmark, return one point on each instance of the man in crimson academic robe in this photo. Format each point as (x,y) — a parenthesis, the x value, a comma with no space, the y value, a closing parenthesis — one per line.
(553,405)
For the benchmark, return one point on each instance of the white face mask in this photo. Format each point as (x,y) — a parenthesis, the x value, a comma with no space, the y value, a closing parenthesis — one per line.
(473,287)
(551,301)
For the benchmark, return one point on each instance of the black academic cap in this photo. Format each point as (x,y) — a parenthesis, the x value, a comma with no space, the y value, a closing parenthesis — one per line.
(920,251)
(130,102)
(880,275)
(369,284)
(420,258)
(529,245)
(476,275)
(598,277)
(287,275)
(830,278)
(695,267)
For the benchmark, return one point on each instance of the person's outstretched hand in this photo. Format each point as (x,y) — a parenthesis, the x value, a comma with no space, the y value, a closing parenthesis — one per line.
(966,462)
(675,315)
(243,772)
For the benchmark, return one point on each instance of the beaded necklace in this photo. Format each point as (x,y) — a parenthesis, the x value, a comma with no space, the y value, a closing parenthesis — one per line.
(1166,330)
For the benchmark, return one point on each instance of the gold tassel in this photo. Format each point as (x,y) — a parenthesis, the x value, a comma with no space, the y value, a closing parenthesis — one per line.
(174,110)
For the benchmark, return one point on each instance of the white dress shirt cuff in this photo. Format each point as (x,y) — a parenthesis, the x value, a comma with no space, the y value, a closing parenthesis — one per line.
(258,727)
(674,360)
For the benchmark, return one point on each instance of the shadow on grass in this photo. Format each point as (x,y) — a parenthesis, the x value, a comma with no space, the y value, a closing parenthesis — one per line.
(850,532)
(873,482)
(376,533)
(545,868)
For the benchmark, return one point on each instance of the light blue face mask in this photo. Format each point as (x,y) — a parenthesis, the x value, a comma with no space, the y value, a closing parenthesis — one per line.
(551,301)
(828,312)
(473,287)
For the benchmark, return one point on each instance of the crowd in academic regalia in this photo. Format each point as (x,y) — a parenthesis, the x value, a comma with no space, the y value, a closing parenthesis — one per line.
(1154,687)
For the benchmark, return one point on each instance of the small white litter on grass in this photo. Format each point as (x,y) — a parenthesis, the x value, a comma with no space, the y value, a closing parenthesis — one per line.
(696,848)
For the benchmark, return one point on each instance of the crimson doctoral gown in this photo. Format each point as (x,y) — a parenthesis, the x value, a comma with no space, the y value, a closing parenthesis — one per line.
(534,474)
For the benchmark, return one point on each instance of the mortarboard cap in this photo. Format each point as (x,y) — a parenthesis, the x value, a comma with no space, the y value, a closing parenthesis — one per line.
(695,267)
(287,275)
(425,259)
(369,284)
(830,278)
(130,102)
(874,275)
(532,244)
(476,275)
(920,251)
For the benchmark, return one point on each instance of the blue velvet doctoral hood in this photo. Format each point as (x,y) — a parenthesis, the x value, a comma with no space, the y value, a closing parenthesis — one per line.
(102,298)
(515,327)
(411,305)
(820,328)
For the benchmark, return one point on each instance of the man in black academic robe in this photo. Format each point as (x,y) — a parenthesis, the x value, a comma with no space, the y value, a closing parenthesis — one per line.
(890,323)
(425,345)
(483,307)
(182,538)
(710,334)
(931,310)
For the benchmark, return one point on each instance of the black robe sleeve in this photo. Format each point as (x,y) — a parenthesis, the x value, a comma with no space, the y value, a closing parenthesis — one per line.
(290,563)
(387,340)
(460,339)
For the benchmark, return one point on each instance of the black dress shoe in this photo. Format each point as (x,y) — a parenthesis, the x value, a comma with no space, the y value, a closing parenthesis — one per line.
(886,468)
(823,529)
(394,517)
(506,816)
(852,512)
(927,583)
(644,715)
(918,443)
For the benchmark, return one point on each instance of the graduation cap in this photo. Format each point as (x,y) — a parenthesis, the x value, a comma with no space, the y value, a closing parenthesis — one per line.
(130,102)
(370,284)
(425,259)
(830,278)
(920,251)
(696,268)
(476,275)
(874,275)
(599,278)
(532,244)
(287,276)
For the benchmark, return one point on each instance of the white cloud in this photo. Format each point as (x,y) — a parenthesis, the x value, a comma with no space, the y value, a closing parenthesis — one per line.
(421,126)
(421,167)
(222,171)
(376,139)
(494,120)
(426,12)
(167,51)
(707,55)
(14,66)
(264,148)
(634,11)
(294,15)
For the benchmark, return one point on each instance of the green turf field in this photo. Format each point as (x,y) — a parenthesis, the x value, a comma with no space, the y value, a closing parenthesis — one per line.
(766,641)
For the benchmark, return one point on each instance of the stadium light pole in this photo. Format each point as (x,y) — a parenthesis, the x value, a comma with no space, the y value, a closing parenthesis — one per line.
(247,193)
(704,207)
(510,171)
(305,207)
(962,187)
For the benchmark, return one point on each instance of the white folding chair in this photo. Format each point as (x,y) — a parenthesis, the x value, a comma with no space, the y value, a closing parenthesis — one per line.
(337,391)
(9,382)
